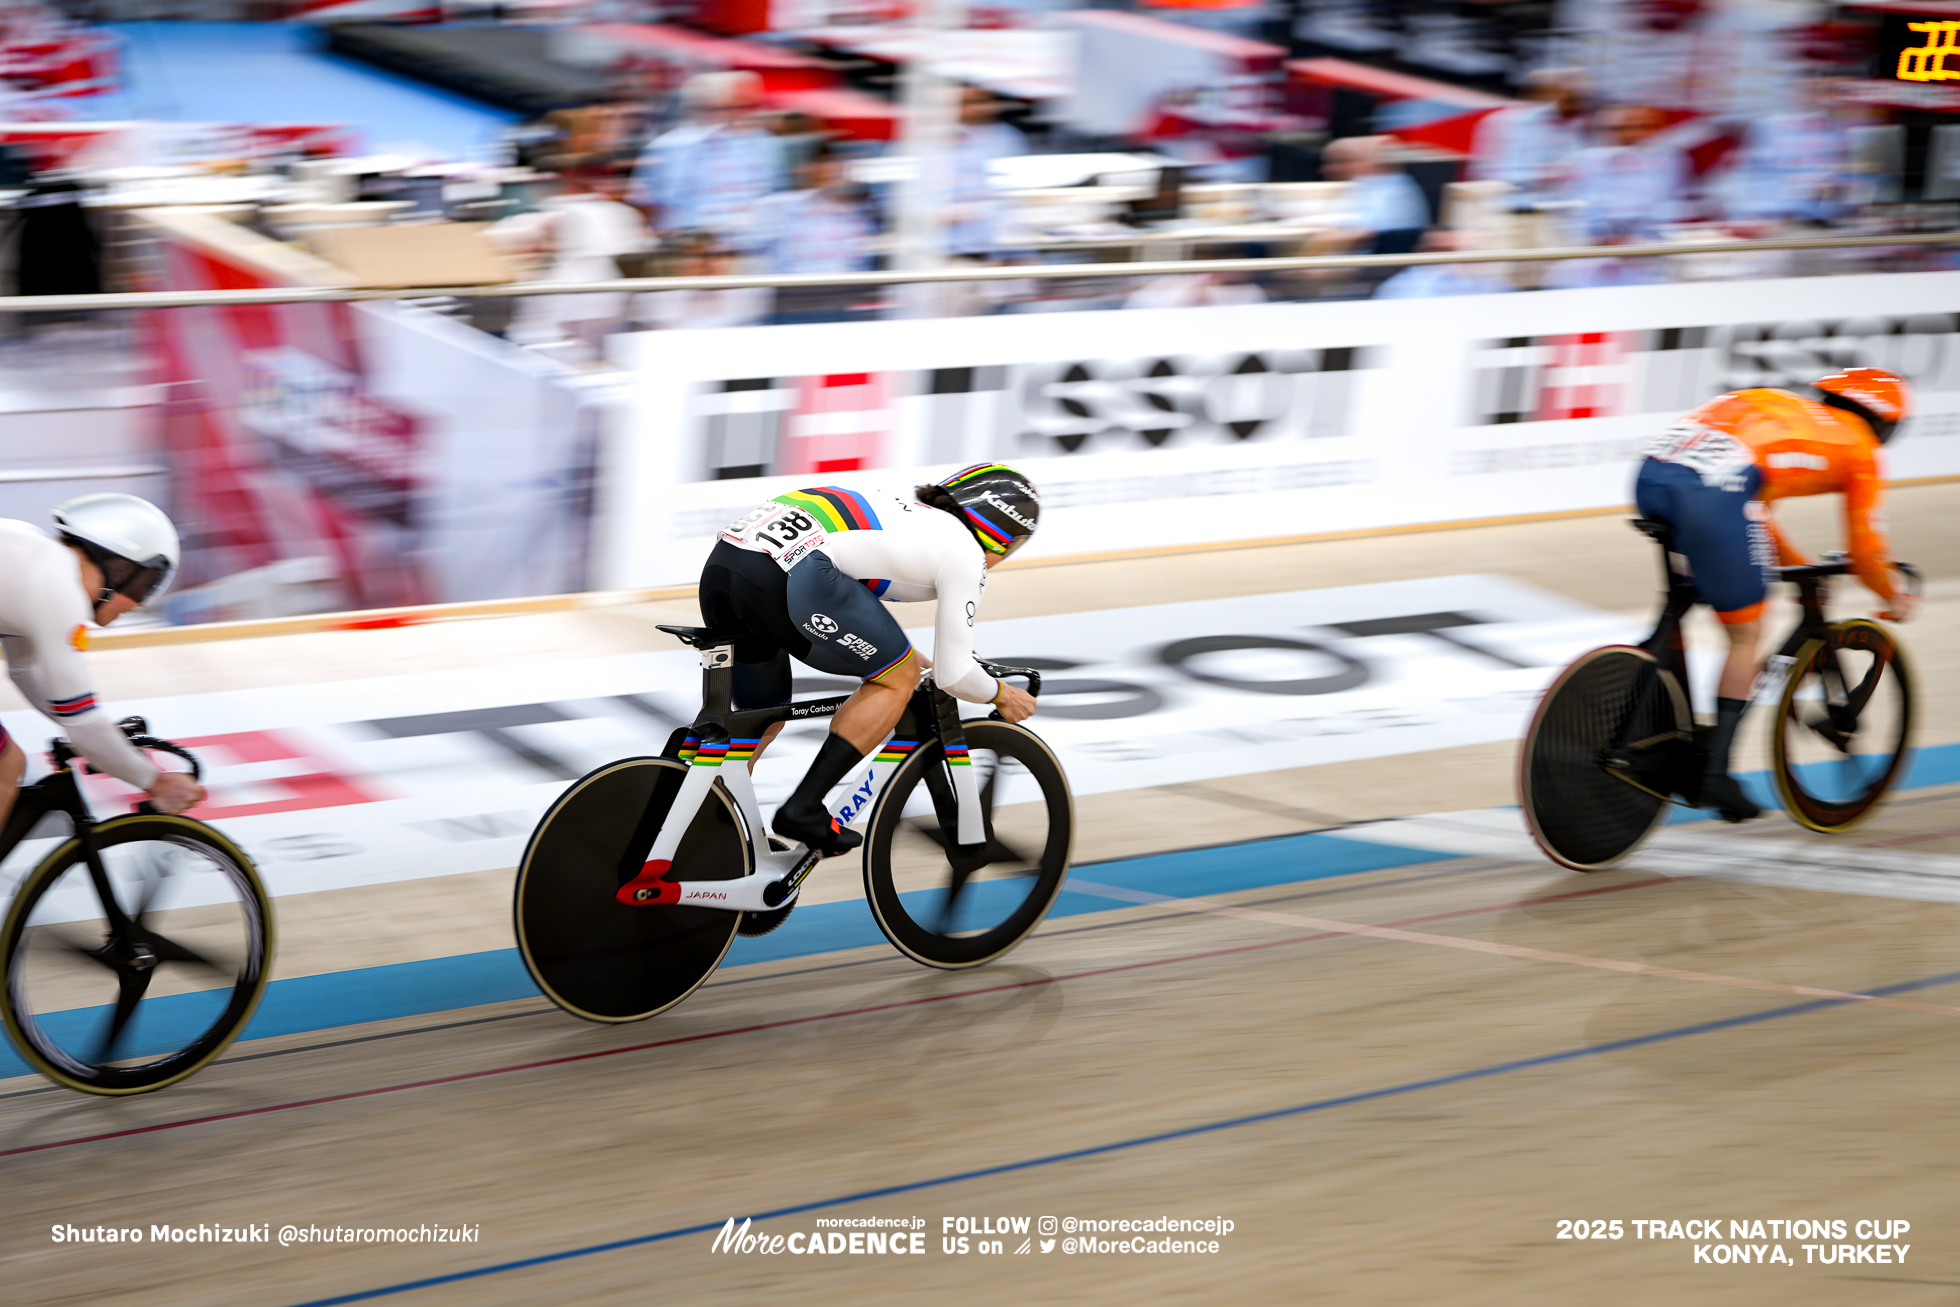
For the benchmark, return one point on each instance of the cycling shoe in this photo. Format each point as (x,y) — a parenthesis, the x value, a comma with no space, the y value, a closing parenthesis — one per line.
(1724,793)
(819,830)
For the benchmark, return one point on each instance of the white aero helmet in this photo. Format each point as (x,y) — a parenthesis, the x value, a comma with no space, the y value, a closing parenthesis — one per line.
(130,539)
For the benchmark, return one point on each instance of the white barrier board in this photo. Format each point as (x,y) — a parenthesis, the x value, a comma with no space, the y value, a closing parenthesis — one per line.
(1157,427)
(396,778)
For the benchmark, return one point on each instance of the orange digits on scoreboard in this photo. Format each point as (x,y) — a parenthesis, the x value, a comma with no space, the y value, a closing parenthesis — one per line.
(1928,62)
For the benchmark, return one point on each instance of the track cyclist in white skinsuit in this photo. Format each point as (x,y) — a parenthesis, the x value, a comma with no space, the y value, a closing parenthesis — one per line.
(801,577)
(114,553)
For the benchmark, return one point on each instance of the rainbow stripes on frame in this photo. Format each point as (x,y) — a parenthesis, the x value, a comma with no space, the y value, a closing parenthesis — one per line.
(896,750)
(834,507)
(956,756)
(696,754)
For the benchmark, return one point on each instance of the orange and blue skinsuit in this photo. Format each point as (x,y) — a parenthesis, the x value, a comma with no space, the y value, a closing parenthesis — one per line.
(1713,475)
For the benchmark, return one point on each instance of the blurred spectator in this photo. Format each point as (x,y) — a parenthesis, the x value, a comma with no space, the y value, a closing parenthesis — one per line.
(1630,190)
(1384,211)
(608,133)
(1532,146)
(1206,290)
(698,254)
(1424,280)
(974,206)
(710,173)
(824,227)
(1794,167)
(580,234)
(800,135)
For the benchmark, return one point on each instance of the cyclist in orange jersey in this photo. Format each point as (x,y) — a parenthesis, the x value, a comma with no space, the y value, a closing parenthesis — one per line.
(1712,477)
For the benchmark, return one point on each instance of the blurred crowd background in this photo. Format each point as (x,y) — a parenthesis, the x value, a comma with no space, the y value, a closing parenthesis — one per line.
(788,136)
(405,145)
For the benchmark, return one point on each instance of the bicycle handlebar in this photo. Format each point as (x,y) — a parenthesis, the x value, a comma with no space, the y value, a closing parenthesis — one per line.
(1838,563)
(1000,672)
(137,732)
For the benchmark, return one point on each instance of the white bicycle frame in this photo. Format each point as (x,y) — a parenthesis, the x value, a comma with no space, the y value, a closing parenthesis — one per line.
(791,868)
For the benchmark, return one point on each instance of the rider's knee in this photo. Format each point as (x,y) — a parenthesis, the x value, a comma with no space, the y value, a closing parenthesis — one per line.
(901,675)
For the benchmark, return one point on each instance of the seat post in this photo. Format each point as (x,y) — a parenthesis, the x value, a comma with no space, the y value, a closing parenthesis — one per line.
(1667,643)
(717,681)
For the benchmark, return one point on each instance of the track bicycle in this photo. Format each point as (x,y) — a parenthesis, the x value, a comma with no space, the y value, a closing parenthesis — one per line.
(1613,741)
(138,948)
(968,828)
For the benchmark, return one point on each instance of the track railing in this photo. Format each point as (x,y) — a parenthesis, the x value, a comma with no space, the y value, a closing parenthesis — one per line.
(1014,272)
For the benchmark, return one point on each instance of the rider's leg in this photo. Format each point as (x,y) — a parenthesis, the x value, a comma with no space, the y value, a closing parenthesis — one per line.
(875,707)
(860,726)
(764,684)
(1719,528)
(847,633)
(1732,691)
(769,734)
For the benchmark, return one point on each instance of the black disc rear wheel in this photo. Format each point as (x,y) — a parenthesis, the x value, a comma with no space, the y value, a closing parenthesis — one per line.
(1610,740)
(1842,726)
(592,955)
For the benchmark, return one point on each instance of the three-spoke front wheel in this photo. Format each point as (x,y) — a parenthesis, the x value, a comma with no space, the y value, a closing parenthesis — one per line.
(1842,726)
(951,907)
(135,988)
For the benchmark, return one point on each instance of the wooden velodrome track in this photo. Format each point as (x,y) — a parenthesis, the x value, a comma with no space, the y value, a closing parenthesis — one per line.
(1393,1083)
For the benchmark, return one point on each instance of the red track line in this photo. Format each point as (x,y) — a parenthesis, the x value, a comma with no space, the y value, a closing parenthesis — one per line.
(1910,839)
(796,1021)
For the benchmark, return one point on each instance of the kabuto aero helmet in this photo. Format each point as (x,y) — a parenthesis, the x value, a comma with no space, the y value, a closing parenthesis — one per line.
(1000,505)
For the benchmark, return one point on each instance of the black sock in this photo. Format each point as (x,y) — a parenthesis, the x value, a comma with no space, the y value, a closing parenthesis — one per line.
(1728,715)
(833,764)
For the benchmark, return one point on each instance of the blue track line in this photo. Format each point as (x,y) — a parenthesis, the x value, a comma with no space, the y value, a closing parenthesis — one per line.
(1233,1123)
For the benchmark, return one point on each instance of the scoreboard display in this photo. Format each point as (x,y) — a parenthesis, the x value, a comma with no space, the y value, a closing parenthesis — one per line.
(1917,42)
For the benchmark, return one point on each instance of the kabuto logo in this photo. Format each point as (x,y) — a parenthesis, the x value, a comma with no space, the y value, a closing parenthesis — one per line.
(1006,508)
(821,626)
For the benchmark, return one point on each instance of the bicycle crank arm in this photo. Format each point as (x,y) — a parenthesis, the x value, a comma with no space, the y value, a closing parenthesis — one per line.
(1619,774)
(749,894)
(769,887)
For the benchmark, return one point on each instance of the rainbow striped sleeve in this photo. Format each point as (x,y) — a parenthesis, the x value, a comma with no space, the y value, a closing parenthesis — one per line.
(834,507)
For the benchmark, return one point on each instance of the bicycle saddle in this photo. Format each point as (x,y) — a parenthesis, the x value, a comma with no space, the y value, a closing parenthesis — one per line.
(1660,531)
(700,637)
